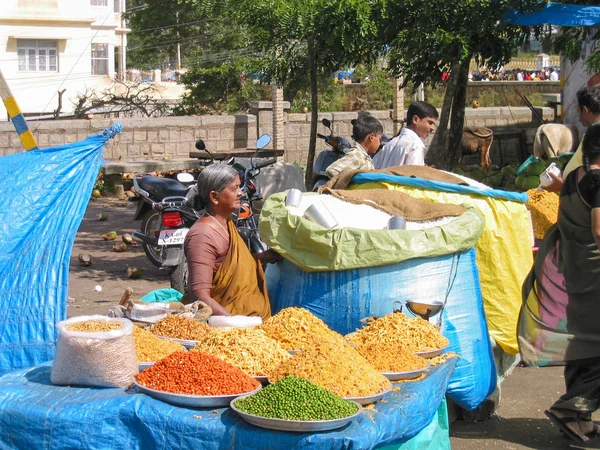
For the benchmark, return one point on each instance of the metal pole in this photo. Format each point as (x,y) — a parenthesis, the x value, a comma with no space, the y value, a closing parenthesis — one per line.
(25,134)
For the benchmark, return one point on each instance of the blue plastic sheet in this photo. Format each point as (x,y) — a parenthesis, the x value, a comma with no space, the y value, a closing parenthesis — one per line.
(422,183)
(340,298)
(36,414)
(44,196)
(564,15)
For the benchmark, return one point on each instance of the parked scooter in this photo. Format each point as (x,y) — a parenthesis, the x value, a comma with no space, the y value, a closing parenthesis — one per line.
(171,213)
(339,148)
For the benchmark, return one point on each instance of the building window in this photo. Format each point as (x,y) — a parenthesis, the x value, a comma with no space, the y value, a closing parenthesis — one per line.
(99,2)
(37,55)
(99,59)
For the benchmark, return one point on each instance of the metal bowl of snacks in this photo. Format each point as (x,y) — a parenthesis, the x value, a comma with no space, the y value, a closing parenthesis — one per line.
(431,353)
(186,343)
(144,365)
(263,379)
(293,352)
(368,399)
(299,426)
(192,401)
(409,375)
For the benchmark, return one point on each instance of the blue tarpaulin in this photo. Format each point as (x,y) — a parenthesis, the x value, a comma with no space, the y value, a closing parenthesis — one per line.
(44,196)
(36,414)
(559,14)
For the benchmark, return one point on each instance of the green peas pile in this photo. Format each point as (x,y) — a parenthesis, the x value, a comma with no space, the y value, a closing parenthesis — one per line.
(294,398)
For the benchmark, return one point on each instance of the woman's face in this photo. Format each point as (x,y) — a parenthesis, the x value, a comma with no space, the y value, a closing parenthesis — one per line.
(229,197)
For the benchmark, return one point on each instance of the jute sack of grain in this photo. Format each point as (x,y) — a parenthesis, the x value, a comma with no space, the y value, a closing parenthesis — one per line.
(94,351)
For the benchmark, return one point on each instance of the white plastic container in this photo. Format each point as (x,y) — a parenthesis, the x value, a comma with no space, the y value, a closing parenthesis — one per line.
(545,178)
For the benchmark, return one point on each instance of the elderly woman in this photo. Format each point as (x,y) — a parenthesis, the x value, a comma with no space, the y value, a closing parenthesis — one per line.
(222,272)
(579,226)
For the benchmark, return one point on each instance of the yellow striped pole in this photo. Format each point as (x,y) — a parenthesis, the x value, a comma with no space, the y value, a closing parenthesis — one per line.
(25,134)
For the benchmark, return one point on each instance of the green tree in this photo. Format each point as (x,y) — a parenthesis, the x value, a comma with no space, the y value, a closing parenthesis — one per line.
(308,39)
(429,38)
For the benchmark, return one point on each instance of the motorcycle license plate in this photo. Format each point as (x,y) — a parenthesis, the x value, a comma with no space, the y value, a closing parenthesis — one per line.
(172,237)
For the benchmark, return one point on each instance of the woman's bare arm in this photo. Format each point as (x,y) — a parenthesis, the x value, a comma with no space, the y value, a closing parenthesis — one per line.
(204,295)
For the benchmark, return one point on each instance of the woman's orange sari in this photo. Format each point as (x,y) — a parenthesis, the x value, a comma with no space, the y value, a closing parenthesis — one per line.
(239,285)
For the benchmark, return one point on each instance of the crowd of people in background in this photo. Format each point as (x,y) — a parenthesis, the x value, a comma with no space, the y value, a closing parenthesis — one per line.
(547,74)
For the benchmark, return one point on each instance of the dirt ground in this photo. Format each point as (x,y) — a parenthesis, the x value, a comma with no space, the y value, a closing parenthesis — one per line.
(520,422)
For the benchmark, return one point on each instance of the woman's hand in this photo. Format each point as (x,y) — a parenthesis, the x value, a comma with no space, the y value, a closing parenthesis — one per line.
(269,256)
(556,185)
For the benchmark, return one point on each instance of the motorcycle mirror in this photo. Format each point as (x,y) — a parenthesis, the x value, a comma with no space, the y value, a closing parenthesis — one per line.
(326,122)
(263,141)
(185,177)
(200,145)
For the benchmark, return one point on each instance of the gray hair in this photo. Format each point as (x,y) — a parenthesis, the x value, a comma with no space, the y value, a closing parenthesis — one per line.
(213,178)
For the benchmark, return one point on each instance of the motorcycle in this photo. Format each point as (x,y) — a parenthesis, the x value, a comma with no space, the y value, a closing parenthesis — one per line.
(339,148)
(171,213)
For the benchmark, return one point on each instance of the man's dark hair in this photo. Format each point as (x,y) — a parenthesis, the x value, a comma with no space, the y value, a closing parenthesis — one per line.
(590,149)
(421,110)
(364,126)
(590,98)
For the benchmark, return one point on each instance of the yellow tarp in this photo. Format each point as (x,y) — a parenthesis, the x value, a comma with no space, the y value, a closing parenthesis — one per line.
(504,255)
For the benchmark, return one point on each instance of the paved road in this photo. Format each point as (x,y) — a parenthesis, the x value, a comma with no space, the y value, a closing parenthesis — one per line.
(520,423)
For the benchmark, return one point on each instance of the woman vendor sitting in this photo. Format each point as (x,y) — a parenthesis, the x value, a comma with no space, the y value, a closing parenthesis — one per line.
(222,272)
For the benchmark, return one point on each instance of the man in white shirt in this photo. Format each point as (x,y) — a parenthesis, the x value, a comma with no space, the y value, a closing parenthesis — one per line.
(408,148)
(554,75)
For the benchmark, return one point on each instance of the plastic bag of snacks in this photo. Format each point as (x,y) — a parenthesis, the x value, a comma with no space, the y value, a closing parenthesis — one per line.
(94,351)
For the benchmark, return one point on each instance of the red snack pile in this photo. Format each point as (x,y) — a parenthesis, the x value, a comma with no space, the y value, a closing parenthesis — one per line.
(196,373)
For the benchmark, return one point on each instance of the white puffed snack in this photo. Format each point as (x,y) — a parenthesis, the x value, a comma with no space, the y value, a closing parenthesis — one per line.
(94,358)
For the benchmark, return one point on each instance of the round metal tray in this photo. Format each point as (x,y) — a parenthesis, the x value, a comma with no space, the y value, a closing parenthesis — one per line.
(262,378)
(144,365)
(369,399)
(187,344)
(431,353)
(395,376)
(300,426)
(194,401)
(293,352)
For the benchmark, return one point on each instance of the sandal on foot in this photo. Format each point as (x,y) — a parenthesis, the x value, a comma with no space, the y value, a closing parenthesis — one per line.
(561,423)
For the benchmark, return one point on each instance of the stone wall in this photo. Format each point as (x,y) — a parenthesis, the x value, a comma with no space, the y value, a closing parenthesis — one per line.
(174,137)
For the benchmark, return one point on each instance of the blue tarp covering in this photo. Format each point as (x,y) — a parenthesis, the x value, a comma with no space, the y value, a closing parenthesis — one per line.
(36,414)
(559,14)
(421,183)
(44,196)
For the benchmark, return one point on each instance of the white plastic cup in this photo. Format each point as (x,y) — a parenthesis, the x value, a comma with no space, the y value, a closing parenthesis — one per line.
(318,213)
(293,198)
(396,223)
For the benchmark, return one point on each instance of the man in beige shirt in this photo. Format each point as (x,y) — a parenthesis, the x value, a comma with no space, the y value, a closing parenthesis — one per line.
(366,132)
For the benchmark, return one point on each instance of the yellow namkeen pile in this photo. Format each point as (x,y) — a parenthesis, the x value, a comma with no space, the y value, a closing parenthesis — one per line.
(297,329)
(390,357)
(416,334)
(250,349)
(149,348)
(335,366)
(543,206)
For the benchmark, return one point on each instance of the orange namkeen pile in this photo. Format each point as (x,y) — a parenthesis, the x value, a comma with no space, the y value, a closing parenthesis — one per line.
(543,206)
(297,329)
(416,334)
(335,366)
(196,373)
(390,357)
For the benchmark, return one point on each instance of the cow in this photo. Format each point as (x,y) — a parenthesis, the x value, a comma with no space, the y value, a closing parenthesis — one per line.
(475,140)
(278,178)
(555,139)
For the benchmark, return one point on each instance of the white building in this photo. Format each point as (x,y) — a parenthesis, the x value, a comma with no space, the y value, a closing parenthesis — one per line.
(50,45)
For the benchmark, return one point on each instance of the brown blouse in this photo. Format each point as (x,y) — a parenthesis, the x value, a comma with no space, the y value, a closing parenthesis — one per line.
(205,247)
